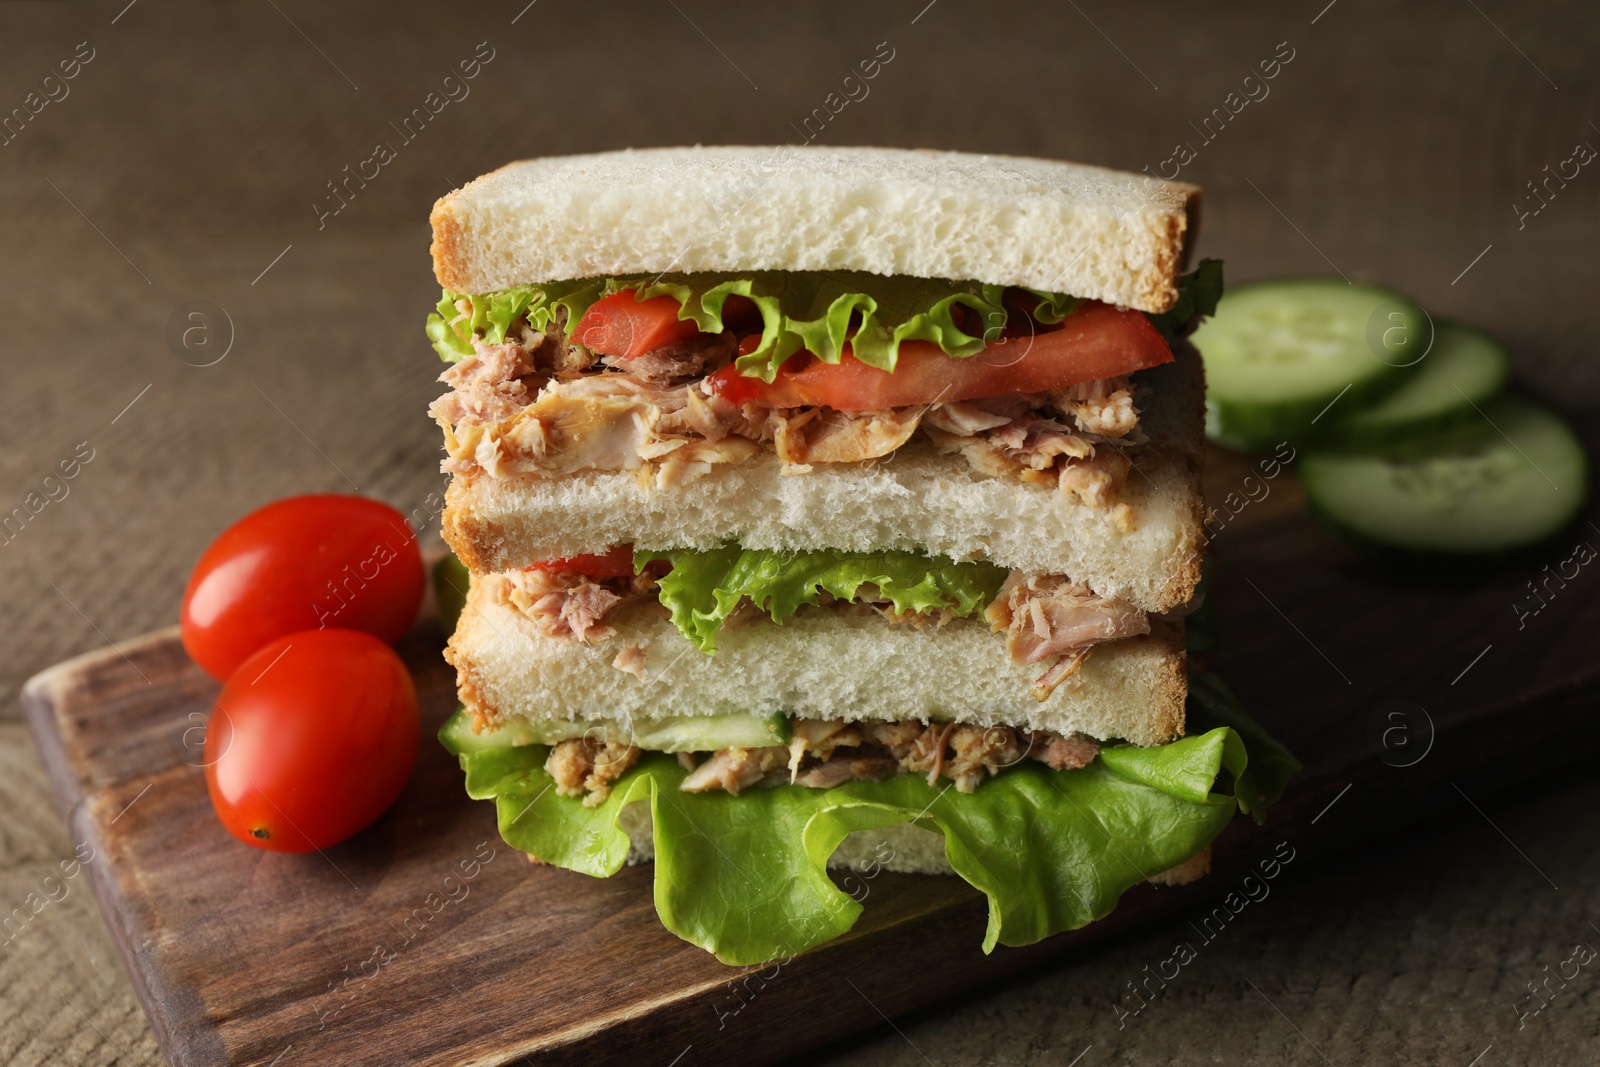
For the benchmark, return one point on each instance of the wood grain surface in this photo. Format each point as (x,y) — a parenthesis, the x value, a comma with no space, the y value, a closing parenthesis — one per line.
(370,952)
(184,165)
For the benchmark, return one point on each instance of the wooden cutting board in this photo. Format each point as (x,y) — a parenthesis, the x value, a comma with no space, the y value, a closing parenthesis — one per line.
(427,940)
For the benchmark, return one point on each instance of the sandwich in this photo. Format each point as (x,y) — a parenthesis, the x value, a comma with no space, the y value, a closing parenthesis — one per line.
(834,508)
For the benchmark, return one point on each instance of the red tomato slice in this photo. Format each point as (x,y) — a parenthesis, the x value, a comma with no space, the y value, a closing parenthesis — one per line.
(619,325)
(1096,341)
(311,740)
(304,563)
(618,563)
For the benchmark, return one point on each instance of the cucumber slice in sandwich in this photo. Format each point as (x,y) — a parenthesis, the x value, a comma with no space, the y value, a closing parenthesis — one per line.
(1465,367)
(1510,479)
(678,733)
(1279,354)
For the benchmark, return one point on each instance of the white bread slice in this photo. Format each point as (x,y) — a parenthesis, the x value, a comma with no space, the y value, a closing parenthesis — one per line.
(903,847)
(818,665)
(916,499)
(1007,220)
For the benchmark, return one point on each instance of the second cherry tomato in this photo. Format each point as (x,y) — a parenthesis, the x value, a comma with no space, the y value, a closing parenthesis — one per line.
(305,563)
(311,740)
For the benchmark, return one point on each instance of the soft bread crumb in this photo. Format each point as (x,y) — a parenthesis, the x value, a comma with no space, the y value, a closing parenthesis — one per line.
(1008,220)
(820,666)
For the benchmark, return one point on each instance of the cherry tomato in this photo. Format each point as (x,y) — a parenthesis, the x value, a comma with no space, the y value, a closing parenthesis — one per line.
(618,563)
(1096,341)
(311,740)
(623,325)
(308,562)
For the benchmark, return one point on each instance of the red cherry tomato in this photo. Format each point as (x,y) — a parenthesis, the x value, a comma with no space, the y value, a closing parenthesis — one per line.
(618,563)
(305,563)
(1096,341)
(623,325)
(311,740)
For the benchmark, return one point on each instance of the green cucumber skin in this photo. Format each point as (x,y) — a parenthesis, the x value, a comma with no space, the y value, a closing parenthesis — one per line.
(1251,427)
(679,735)
(1370,429)
(1249,424)
(1424,555)
(1359,436)
(1562,454)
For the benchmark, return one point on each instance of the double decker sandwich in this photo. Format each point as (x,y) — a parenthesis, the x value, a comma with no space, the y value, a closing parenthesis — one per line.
(833,507)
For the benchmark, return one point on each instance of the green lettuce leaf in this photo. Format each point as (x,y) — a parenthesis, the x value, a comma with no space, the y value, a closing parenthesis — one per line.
(450,581)
(1258,785)
(1198,293)
(704,588)
(745,877)
(493,314)
(810,310)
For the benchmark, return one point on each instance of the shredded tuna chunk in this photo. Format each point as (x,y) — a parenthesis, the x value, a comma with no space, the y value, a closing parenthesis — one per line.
(1103,407)
(1020,436)
(587,767)
(485,387)
(693,459)
(826,753)
(982,454)
(712,417)
(900,738)
(1098,480)
(698,356)
(975,752)
(841,769)
(1042,451)
(818,737)
(499,380)
(823,435)
(1061,752)
(1062,669)
(609,422)
(589,424)
(1045,615)
(568,604)
(732,769)
(964,419)
(1037,443)
(631,660)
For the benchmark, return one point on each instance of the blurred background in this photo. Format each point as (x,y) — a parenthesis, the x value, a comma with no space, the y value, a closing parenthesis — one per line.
(188,164)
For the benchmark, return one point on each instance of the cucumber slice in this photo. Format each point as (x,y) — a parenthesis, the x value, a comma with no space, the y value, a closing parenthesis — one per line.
(1278,353)
(1504,481)
(1464,367)
(682,733)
